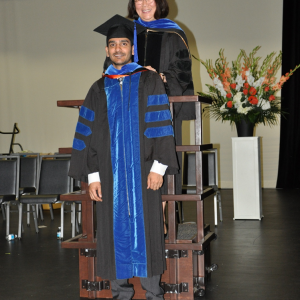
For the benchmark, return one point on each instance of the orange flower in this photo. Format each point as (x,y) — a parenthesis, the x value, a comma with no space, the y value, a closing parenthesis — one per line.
(229,95)
(266,81)
(267,88)
(272,79)
(229,104)
(245,92)
(250,98)
(283,79)
(252,91)
(253,100)
(277,86)
(244,70)
(227,73)
(226,85)
(271,98)
(233,86)
(246,85)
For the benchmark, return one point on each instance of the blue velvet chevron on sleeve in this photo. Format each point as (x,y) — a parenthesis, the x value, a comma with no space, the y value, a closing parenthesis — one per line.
(155,132)
(78,144)
(158,115)
(87,113)
(157,100)
(83,129)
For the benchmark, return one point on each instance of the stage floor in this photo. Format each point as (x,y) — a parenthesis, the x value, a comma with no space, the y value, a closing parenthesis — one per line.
(257,260)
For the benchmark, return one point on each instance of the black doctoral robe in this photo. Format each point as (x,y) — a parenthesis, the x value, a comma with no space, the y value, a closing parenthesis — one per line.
(167,51)
(120,132)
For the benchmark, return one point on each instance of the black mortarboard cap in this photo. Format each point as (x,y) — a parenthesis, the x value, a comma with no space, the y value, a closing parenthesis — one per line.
(117,27)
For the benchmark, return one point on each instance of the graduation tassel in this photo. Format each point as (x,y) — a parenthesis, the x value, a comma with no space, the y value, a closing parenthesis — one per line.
(136,57)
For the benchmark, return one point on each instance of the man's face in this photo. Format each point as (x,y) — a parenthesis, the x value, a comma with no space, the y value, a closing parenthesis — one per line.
(120,51)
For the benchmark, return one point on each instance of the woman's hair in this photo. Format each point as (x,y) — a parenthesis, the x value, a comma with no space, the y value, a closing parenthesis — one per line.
(162,9)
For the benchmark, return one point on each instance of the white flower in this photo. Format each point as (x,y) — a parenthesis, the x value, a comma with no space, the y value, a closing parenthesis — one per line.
(216,80)
(238,96)
(264,104)
(243,110)
(223,92)
(250,80)
(237,99)
(219,86)
(223,109)
(247,73)
(258,82)
(239,82)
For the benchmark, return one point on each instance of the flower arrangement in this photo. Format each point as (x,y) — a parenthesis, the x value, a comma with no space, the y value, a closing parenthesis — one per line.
(245,91)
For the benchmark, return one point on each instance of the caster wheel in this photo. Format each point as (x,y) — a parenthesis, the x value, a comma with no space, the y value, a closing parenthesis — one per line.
(199,293)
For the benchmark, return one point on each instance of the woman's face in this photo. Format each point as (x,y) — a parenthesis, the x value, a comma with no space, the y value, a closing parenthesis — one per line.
(145,9)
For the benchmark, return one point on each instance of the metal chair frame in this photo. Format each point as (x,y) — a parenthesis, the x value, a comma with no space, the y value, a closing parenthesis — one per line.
(6,203)
(13,133)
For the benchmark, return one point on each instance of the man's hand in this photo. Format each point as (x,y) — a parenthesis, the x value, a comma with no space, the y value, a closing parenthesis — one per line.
(154,181)
(95,191)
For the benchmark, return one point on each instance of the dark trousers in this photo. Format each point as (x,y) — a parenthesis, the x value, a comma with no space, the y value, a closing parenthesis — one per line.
(122,290)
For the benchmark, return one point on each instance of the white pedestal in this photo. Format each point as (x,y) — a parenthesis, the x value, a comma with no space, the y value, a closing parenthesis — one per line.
(246,178)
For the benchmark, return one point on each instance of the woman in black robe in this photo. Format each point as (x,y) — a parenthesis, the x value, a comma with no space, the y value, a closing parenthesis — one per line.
(163,48)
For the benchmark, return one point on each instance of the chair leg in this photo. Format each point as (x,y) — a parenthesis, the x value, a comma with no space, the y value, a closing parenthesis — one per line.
(20,221)
(35,219)
(62,212)
(7,217)
(216,209)
(51,212)
(41,212)
(73,212)
(220,205)
(37,210)
(79,214)
(28,214)
(3,212)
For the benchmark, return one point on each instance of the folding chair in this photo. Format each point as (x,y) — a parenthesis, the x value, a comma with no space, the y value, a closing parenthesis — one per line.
(29,170)
(53,181)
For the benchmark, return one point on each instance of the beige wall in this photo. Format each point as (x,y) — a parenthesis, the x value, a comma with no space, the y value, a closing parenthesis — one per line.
(49,52)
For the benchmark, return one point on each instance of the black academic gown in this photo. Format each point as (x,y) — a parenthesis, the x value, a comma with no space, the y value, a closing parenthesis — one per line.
(94,150)
(166,50)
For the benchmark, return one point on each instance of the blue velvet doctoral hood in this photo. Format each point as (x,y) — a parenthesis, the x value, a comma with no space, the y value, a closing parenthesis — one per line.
(126,69)
(159,24)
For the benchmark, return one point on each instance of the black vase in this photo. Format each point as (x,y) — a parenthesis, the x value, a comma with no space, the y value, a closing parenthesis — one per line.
(244,128)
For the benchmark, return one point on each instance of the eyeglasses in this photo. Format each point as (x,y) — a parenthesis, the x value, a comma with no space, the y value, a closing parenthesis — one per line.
(139,2)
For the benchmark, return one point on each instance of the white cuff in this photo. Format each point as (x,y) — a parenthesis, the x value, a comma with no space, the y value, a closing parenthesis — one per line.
(158,168)
(94,177)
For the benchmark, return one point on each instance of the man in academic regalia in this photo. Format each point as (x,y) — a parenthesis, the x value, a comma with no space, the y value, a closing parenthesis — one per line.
(123,145)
